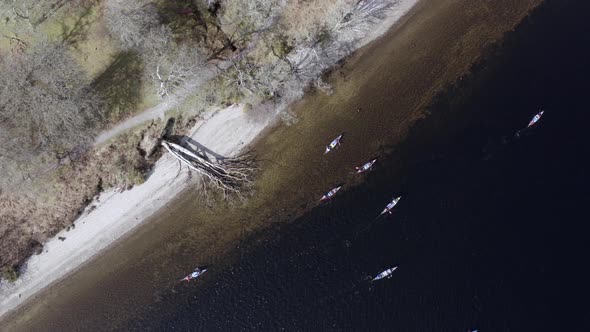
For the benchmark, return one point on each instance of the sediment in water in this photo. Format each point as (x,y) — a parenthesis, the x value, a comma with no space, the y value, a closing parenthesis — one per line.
(392,81)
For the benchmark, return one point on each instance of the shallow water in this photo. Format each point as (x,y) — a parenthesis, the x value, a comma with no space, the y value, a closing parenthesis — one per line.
(489,233)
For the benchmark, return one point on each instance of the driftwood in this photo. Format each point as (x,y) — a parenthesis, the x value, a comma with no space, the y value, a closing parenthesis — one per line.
(230,176)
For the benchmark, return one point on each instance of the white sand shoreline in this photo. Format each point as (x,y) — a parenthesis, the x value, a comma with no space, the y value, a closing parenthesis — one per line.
(225,132)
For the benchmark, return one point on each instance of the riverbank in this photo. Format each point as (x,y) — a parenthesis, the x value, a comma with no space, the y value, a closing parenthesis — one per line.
(115,214)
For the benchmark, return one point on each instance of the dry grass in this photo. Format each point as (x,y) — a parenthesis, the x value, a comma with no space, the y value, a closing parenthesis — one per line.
(29,218)
(55,201)
(303,19)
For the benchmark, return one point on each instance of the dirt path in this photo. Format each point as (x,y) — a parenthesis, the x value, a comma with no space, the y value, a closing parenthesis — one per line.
(158,111)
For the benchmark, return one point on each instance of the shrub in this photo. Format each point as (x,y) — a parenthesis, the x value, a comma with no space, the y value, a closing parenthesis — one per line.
(9,273)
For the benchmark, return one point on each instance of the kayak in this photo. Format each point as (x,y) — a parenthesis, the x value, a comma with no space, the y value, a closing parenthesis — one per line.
(194,275)
(334,143)
(330,193)
(536,118)
(391,205)
(385,274)
(365,167)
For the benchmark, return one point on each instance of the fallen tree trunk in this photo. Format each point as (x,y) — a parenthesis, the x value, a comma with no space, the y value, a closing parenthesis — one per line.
(231,176)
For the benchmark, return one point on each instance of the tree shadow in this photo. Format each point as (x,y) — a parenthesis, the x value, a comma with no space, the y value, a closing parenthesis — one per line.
(195,22)
(186,19)
(72,35)
(190,144)
(121,85)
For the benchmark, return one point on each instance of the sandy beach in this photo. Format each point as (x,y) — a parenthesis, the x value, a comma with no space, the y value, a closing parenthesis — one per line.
(116,213)
(113,215)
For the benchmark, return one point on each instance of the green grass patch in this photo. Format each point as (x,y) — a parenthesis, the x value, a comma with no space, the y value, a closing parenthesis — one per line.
(281,46)
(71,26)
(121,86)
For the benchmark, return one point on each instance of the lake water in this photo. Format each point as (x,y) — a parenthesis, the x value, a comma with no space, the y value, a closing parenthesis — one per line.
(491,232)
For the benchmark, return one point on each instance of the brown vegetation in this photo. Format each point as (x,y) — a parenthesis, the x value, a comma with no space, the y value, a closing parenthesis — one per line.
(29,218)
(47,111)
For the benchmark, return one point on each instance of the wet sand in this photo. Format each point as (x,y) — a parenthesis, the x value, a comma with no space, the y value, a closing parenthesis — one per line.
(392,81)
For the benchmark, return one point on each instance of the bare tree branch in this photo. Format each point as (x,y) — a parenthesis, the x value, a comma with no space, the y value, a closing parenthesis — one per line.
(131,21)
(21,44)
(336,35)
(35,12)
(232,177)
(247,17)
(174,66)
(46,106)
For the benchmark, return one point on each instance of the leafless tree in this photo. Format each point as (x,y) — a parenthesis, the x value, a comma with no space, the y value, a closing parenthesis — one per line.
(265,79)
(308,61)
(304,21)
(173,66)
(332,33)
(45,104)
(130,21)
(241,18)
(232,177)
(361,18)
(243,77)
(340,30)
(168,64)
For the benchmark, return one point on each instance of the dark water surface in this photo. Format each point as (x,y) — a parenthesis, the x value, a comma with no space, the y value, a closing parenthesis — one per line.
(491,232)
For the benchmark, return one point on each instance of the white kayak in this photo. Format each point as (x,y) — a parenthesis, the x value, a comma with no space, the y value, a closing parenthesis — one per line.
(334,143)
(385,274)
(330,193)
(194,275)
(391,205)
(536,118)
(365,167)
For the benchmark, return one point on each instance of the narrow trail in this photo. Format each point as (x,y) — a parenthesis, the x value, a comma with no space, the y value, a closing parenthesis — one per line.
(171,101)
(158,111)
